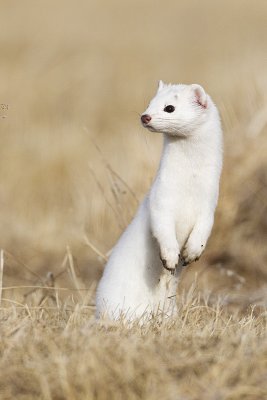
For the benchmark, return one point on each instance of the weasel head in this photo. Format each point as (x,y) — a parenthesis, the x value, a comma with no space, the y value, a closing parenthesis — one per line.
(177,110)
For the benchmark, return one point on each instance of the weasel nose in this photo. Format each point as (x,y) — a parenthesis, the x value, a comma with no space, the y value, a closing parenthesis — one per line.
(145,119)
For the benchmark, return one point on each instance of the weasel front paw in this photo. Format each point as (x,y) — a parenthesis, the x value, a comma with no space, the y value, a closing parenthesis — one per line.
(169,259)
(192,251)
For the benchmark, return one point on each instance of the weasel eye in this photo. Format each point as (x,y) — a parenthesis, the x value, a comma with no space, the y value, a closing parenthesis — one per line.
(169,109)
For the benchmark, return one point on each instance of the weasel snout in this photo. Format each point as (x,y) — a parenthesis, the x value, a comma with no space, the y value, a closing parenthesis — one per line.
(145,119)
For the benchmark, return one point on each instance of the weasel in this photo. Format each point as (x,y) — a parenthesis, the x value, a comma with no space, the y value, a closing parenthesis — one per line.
(173,223)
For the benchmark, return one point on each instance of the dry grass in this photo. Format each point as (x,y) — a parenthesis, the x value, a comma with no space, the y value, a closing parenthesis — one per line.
(74,162)
(60,352)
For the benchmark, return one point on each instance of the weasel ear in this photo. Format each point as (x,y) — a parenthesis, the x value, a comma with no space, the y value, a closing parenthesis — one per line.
(200,95)
(160,86)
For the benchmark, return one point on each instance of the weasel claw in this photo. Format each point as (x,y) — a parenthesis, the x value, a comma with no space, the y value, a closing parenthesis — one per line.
(164,263)
(185,263)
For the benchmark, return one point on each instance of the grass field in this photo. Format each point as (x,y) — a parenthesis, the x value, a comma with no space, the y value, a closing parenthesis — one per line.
(75,162)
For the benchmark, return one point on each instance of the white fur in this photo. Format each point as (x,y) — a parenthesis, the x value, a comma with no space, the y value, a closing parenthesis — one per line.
(176,217)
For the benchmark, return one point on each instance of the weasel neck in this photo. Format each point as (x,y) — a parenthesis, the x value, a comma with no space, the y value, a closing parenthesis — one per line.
(177,150)
(190,153)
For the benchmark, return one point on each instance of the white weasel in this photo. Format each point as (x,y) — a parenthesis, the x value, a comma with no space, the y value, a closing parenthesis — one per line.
(173,223)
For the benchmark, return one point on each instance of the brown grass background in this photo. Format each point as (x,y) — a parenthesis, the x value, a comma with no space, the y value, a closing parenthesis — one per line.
(74,161)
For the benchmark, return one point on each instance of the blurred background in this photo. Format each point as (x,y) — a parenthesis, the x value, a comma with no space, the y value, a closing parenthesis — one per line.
(74,159)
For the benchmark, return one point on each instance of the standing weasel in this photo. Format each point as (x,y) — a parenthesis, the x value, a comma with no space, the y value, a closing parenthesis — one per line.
(173,223)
